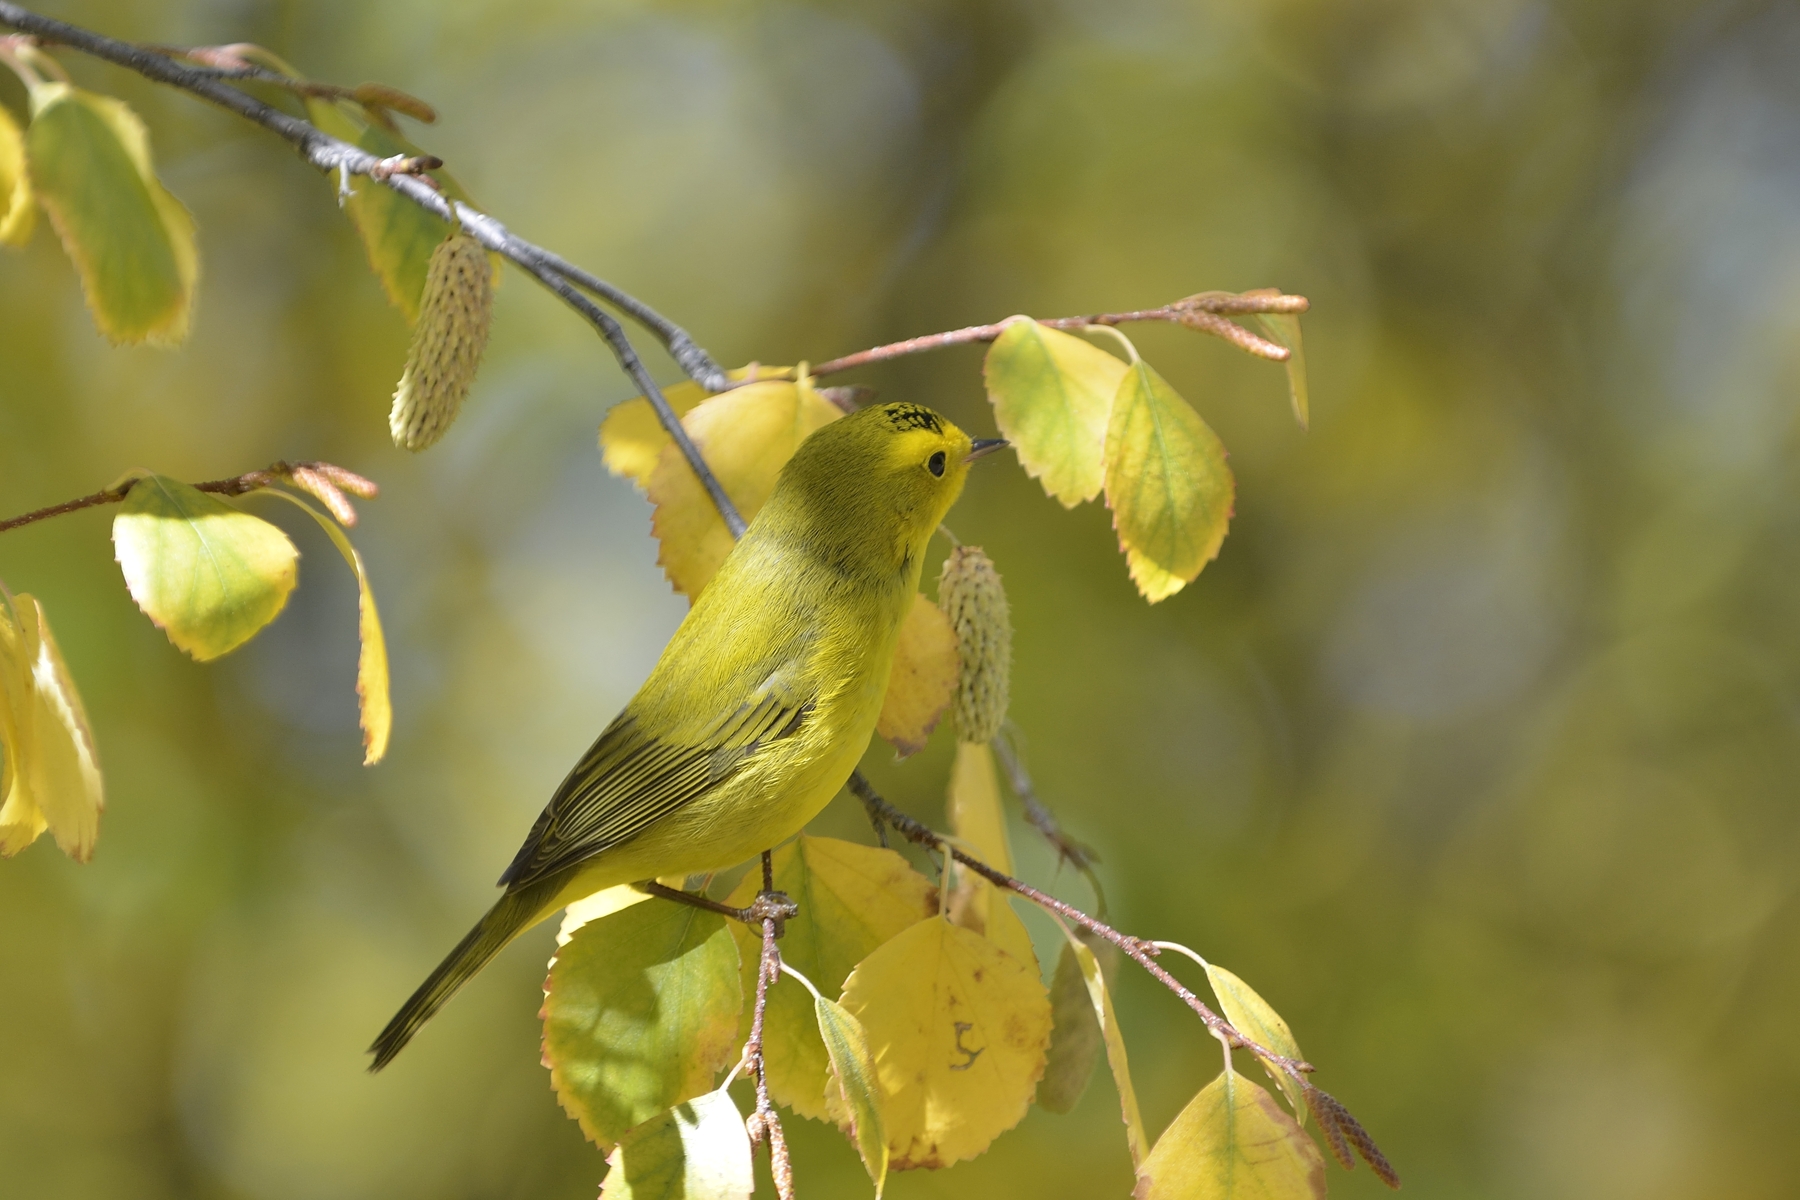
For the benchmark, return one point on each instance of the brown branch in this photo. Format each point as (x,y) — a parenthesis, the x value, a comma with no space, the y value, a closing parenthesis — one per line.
(1141,952)
(765,1122)
(1196,312)
(323,480)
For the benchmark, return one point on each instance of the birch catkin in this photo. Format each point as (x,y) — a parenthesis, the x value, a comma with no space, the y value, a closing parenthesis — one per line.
(454,314)
(971,595)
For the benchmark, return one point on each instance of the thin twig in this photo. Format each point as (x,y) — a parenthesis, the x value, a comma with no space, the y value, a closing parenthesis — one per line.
(765,1123)
(1077,854)
(1196,312)
(323,480)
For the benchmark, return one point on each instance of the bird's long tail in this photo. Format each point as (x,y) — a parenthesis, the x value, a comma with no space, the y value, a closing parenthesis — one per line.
(516,912)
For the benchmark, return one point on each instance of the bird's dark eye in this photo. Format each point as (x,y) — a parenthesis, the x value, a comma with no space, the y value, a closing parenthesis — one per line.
(935,464)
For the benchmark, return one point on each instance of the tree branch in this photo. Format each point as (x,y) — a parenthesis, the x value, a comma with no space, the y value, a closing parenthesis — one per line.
(765,1123)
(323,480)
(1199,312)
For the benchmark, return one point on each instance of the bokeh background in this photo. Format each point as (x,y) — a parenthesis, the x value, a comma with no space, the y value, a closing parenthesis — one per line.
(1475,751)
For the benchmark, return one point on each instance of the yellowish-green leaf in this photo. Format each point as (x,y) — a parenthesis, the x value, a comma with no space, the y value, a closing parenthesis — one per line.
(852,899)
(1285,329)
(923,681)
(131,241)
(631,436)
(1166,482)
(18,211)
(52,777)
(699,1150)
(1052,392)
(958,1028)
(602,903)
(373,701)
(397,235)
(1089,964)
(1232,1142)
(853,1092)
(746,436)
(1251,1015)
(640,1013)
(979,822)
(1074,1037)
(208,574)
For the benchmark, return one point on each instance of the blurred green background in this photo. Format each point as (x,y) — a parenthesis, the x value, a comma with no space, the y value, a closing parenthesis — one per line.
(1475,751)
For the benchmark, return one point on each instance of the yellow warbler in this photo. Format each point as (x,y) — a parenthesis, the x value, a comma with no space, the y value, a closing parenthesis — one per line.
(764,699)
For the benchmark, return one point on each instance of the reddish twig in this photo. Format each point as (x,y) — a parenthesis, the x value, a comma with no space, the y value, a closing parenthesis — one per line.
(1199,312)
(323,480)
(771,908)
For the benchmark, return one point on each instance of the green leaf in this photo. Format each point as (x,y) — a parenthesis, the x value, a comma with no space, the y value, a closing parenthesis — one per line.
(1285,329)
(1251,1015)
(1101,999)
(1052,393)
(51,778)
(18,212)
(131,241)
(699,1150)
(1074,1037)
(397,234)
(640,1013)
(1232,1142)
(1166,482)
(852,900)
(208,574)
(853,1094)
(375,706)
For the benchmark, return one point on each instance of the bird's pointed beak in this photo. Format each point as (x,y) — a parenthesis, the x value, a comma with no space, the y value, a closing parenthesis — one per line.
(982,447)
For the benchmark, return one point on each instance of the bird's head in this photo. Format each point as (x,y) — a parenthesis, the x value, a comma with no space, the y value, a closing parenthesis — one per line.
(892,470)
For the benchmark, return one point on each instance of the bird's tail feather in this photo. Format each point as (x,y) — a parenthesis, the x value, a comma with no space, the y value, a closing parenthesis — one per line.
(516,912)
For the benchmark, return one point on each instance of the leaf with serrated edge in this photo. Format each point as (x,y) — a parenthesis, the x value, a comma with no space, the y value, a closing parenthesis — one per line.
(1251,1016)
(131,241)
(18,211)
(746,435)
(853,1090)
(1052,392)
(1135,1139)
(372,694)
(208,574)
(1232,1142)
(923,680)
(54,781)
(698,1150)
(1074,1037)
(640,1013)
(852,900)
(958,1028)
(1166,482)
(632,437)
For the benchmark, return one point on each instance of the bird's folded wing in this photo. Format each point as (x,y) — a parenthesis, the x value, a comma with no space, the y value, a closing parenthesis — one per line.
(629,780)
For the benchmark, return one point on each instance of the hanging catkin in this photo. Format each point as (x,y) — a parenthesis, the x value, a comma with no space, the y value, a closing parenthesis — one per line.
(454,314)
(971,595)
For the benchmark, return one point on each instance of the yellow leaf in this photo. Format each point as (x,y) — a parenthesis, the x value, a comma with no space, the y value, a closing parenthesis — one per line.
(979,822)
(18,212)
(1101,998)
(208,574)
(631,436)
(397,235)
(53,777)
(640,1013)
(958,1029)
(699,1150)
(746,436)
(853,1092)
(602,903)
(1251,1015)
(131,241)
(1052,392)
(924,677)
(852,899)
(1166,482)
(1232,1142)
(374,703)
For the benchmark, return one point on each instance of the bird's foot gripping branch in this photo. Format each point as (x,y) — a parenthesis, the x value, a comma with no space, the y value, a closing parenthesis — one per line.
(914,1013)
